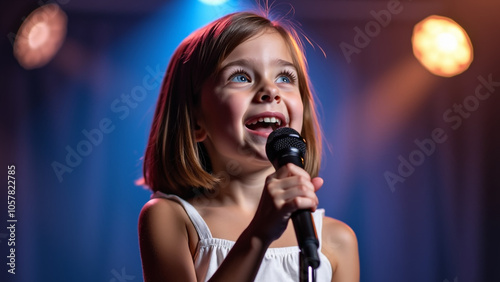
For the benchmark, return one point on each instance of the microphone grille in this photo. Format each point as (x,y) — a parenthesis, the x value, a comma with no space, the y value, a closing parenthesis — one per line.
(284,138)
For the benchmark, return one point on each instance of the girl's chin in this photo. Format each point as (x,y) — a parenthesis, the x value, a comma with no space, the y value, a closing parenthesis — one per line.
(257,138)
(256,150)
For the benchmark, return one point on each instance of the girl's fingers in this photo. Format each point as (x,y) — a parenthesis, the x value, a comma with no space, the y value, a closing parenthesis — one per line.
(290,170)
(309,201)
(292,188)
(293,193)
(300,182)
(305,191)
(287,190)
(317,183)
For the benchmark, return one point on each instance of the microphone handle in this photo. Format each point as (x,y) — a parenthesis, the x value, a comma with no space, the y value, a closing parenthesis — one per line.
(306,236)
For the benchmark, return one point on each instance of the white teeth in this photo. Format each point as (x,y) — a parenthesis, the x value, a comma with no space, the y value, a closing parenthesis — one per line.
(268,120)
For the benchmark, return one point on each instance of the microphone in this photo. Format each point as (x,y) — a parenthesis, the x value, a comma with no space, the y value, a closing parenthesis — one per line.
(285,145)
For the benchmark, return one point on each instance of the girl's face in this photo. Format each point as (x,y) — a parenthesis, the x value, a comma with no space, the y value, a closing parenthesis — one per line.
(255,92)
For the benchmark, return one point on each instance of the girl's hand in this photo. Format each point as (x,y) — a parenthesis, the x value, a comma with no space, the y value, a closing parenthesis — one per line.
(289,189)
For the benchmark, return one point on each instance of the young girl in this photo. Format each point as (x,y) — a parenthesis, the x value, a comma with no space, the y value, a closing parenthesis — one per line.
(220,211)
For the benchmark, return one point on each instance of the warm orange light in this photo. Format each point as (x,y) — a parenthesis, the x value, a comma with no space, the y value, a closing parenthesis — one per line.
(442,46)
(40,36)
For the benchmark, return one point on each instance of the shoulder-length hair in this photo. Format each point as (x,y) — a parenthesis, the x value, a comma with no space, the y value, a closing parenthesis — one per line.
(174,162)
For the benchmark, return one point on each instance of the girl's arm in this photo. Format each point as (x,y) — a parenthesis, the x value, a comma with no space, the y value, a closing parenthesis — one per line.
(164,242)
(164,239)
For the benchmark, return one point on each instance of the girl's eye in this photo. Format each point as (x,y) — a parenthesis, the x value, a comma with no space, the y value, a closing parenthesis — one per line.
(283,79)
(240,76)
(286,77)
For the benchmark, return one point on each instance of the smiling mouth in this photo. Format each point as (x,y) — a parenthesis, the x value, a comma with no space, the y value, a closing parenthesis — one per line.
(265,124)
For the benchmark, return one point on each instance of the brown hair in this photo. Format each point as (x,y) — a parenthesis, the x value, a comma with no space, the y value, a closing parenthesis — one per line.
(174,163)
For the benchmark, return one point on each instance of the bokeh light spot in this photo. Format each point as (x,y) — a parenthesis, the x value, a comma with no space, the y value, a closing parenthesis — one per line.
(40,36)
(442,46)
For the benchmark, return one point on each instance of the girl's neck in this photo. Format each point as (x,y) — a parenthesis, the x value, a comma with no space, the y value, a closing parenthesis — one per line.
(242,189)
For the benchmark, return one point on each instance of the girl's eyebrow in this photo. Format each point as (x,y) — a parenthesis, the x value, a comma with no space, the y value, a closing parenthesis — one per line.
(239,62)
(247,63)
(283,63)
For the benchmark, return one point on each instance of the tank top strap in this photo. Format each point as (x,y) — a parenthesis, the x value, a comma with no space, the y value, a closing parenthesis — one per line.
(318,223)
(199,224)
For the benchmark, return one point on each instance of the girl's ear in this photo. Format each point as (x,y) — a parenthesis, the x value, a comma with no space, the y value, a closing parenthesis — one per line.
(199,132)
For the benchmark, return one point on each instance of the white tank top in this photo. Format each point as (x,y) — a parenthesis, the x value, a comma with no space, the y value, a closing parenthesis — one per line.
(278,264)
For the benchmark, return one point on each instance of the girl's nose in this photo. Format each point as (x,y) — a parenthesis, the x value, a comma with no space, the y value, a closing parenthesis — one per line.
(268,93)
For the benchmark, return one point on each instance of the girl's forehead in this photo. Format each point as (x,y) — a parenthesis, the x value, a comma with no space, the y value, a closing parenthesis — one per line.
(268,46)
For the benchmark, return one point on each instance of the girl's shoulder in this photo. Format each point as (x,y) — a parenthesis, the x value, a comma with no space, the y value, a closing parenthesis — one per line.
(163,206)
(340,245)
(161,210)
(162,218)
(337,233)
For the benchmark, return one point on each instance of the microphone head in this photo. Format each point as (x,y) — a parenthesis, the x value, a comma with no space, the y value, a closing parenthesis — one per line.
(285,145)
